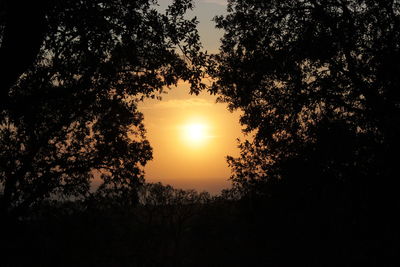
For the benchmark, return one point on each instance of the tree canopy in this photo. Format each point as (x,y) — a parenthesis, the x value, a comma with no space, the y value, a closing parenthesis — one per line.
(71,112)
(318,84)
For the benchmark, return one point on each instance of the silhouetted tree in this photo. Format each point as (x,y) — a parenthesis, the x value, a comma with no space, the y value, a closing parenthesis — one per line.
(71,113)
(315,79)
(318,84)
(22,28)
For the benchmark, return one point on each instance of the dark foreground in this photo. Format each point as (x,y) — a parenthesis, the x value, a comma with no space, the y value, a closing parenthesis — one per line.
(215,233)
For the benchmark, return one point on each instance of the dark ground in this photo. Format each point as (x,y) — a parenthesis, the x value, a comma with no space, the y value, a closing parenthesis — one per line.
(220,233)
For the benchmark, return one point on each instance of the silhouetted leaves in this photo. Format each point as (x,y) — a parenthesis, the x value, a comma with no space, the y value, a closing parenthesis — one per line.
(318,84)
(72,118)
(316,81)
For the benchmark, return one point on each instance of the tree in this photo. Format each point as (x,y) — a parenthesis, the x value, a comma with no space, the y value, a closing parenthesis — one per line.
(318,85)
(170,209)
(22,28)
(72,113)
(317,82)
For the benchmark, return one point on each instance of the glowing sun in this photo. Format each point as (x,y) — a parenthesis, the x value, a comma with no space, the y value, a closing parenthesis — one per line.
(195,133)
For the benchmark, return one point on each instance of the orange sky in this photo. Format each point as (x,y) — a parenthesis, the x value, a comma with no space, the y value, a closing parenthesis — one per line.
(184,160)
(191,135)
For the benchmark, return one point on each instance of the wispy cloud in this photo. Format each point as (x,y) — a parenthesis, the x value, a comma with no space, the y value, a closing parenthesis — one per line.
(218,2)
(181,104)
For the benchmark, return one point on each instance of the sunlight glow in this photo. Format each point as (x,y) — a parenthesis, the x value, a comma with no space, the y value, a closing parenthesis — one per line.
(190,138)
(195,132)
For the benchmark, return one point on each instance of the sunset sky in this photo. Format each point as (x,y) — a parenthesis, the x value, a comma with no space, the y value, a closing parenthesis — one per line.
(191,135)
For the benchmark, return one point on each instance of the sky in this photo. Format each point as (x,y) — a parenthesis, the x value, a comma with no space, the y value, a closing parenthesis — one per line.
(192,135)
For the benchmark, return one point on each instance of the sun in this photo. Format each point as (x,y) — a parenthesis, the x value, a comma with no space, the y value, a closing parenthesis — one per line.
(195,133)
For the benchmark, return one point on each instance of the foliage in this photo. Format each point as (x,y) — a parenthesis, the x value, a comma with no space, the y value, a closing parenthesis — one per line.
(318,85)
(72,115)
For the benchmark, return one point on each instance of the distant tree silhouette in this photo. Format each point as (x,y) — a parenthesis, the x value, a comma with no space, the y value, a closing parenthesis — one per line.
(71,111)
(171,209)
(318,84)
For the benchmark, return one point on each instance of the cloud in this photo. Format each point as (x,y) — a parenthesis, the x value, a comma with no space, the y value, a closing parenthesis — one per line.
(181,104)
(218,2)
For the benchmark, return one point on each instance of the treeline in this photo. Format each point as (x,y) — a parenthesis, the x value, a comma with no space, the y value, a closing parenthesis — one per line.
(168,227)
(175,227)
